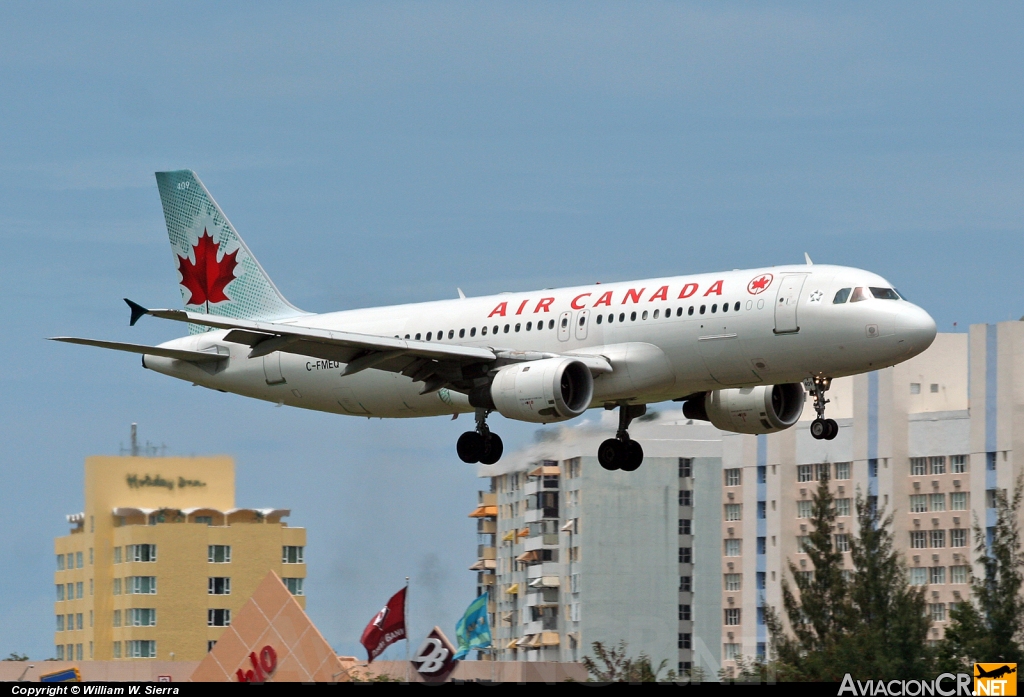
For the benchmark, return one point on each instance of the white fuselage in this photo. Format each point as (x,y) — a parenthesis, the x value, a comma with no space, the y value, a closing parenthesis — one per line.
(667,338)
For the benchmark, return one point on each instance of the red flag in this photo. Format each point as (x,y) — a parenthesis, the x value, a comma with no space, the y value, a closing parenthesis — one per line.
(386,628)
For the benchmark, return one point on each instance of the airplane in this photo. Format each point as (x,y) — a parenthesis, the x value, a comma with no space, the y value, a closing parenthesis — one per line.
(740,349)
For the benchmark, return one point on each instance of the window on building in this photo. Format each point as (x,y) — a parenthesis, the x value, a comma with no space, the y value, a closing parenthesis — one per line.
(958,501)
(732,476)
(685,555)
(731,652)
(60,652)
(71,622)
(762,510)
(842,507)
(842,543)
(218,618)
(117,555)
(684,613)
(843,470)
(60,562)
(990,461)
(762,545)
(958,537)
(803,473)
(937,611)
(822,471)
(918,539)
(685,527)
(873,467)
(219,554)
(60,591)
(733,582)
(732,616)
(762,578)
(915,388)
(733,547)
(938,538)
(918,576)
(958,464)
(213,642)
(116,651)
(686,584)
(140,617)
(937,575)
(918,466)
(71,591)
(991,498)
(218,585)
(78,559)
(959,574)
(117,586)
(919,503)
(938,502)
(140,585)
(90,553)
(685,641)
(685,467)
(117,618)
(78,652)
(937,464)
(292,554)
(803,509)
(79,621)
(733,511)
(294,585)
(760,615)
(141,553)
(685,498)
(762,474)
(60,623)
(136,648)
(801,543)
(80,589)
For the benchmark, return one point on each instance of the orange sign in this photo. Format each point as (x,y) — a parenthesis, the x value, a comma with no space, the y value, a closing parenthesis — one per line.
(262,668)
(995,679)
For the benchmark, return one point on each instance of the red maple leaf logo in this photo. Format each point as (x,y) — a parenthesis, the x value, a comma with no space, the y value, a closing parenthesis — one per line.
(207,278)
(759,284)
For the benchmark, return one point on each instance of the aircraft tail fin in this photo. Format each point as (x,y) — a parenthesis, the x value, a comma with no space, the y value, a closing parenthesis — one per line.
(218,273)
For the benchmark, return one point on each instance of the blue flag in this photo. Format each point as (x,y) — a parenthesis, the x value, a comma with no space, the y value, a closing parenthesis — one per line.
(473,631)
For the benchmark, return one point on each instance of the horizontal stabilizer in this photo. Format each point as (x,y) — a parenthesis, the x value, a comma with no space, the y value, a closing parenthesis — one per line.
(178,354)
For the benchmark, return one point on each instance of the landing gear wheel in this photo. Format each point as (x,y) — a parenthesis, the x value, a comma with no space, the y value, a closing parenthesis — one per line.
(612,454)
(634,456)
(470,447)
(833,429)
(819,429)
(492,449)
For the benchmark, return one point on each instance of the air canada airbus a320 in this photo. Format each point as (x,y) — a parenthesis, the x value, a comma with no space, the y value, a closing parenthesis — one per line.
(738,349)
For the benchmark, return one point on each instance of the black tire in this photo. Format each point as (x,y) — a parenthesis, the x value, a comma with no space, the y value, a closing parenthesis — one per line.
(833,429)
(634,456)
(818,429)
(493,448)
(611,454)
(470,447)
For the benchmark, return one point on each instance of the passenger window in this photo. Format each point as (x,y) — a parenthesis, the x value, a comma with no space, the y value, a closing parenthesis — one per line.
(417,337)
(725,307)
(714,308)
(565,322)
(611,318)
(518,326)
(599,318)
(583,320)
(495,328)
(702,308)
(472,332)
(451,333)
(842,295)
(483,331)
(622,316)
(462,333)
(688,312)
(429,334)
(529,326)
(632,317)
(884,293)
(406,336)
(736,307)
(551,324)
(644,315)
(506,329)
(656,314)
(859,294)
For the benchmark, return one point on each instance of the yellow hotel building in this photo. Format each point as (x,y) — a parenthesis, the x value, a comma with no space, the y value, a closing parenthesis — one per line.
(161,559)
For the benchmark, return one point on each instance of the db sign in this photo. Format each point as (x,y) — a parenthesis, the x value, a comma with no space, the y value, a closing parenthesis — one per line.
(433,659)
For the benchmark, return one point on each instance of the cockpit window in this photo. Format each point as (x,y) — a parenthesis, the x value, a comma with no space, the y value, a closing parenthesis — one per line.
(859,294)
(842,295)
(885,293)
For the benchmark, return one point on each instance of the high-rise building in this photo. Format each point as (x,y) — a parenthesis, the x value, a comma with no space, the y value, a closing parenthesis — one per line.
(160,559)
(930,441)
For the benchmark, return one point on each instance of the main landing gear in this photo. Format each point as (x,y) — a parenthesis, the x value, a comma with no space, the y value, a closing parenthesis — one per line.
(480,445)
(620,452)
(821,428)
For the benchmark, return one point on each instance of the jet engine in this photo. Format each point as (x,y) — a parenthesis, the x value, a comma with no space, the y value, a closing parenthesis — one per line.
(761,409)
(543,391)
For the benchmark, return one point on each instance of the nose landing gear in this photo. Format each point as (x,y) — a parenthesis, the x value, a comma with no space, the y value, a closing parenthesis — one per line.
(480,445)
(621,452)
(821,428)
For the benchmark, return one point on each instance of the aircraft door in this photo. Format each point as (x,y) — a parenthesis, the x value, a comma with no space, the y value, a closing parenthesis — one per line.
(582,324)
(272,368)
(564,328)
(786,304)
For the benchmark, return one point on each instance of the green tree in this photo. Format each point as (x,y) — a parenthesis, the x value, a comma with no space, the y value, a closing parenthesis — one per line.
(990,627)
(15,656)
(615,665)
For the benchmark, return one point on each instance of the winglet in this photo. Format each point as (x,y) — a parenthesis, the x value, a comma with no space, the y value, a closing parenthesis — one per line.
(461,294)
(137,312)
(807,258)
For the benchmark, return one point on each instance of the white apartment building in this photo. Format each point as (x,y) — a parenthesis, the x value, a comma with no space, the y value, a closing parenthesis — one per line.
(679,557)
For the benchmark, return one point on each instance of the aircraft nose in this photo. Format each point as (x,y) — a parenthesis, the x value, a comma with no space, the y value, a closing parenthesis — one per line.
(915,327)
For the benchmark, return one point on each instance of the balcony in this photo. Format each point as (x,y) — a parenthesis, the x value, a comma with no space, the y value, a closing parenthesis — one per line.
(486,527)
(535,515)
(486,498)
(548,568)
(542,597)
(483,552)
(540,542)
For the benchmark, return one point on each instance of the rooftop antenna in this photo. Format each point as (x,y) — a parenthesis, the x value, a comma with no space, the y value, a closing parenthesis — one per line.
(135,440)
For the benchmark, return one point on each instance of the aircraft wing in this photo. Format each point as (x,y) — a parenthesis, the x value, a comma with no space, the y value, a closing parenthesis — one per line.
(179,354)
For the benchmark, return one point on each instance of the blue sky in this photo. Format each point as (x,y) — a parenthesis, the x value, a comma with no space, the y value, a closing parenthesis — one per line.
(373,153)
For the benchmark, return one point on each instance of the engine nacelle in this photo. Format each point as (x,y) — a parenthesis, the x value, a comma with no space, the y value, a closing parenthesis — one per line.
(756,410)
(551,389)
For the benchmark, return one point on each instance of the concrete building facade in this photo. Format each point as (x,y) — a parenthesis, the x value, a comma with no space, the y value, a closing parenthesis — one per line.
(929,441)
(160,558)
